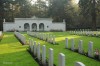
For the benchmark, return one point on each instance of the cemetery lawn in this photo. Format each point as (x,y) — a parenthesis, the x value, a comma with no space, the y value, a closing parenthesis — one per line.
(13,53)
(71,57)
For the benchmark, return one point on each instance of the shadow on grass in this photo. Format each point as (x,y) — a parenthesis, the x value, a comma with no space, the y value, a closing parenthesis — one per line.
(21,58)
(8,39)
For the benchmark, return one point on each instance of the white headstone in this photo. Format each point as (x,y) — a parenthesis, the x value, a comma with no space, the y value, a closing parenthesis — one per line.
(90,49)
(50,57)
(80,47)
(61,60)
(38,51)
(48,37)
(79,64)
(31,44)
(51,38)
(41,36)
(54,39)
(66,42)
(43,54)
(72,45)
(45,37)
(34,48)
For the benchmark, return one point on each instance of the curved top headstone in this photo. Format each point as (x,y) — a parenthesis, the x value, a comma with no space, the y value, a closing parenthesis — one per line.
(79,64)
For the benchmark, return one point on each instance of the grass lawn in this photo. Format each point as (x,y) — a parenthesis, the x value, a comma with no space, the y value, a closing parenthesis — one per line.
(12,53)
(71,57)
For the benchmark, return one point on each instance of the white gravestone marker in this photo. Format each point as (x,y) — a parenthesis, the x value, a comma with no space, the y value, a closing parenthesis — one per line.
(90,49)
(79,64)
(38,51)
(43,54)
(50,57)
(66,42)
(54,39)
(80,47)
(34,48)
(72,45)
(61,59)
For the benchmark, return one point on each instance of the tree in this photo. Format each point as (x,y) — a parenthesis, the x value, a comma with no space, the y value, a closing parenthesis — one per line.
(56,10)
(88,9)
(42,8)
(71,14)
(10,9)
(1,14)
(25,9)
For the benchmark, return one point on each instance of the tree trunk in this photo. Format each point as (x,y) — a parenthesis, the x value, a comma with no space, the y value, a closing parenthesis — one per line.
(1,15)
(1,25)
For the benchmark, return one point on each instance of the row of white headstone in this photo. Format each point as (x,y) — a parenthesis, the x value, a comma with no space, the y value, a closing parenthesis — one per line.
(87,33)
(20,37)
(35,49)
(43,36)
(80,47)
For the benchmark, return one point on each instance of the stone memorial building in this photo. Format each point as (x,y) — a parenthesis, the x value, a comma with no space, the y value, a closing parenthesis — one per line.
(33,24)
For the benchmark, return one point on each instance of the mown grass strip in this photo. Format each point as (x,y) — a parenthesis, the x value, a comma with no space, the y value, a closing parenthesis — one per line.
(71,57)
(12,53)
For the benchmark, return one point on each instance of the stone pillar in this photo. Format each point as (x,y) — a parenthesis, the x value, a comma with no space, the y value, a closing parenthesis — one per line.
(90,49)
(79,64)
(37,27)
(43,54)
(66,42)
(4,20)
(61,60)
(38,51)
(50,57)
(30,27)
(72,45)
(80,47)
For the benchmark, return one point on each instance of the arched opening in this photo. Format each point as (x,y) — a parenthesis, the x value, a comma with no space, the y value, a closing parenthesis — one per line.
(34,27)
(26,27)
(41,27)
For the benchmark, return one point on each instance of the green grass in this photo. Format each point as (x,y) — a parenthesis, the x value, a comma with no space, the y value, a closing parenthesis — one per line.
(12,53)
(71,57)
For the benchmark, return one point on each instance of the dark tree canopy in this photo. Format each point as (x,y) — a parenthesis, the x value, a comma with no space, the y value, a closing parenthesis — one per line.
(88,9)
(86,14)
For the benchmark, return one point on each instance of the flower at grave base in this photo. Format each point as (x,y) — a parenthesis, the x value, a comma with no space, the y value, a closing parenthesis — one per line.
(96,54)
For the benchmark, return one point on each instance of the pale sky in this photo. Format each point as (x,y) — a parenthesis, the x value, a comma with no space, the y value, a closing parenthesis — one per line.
(76,1)
(33,1)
